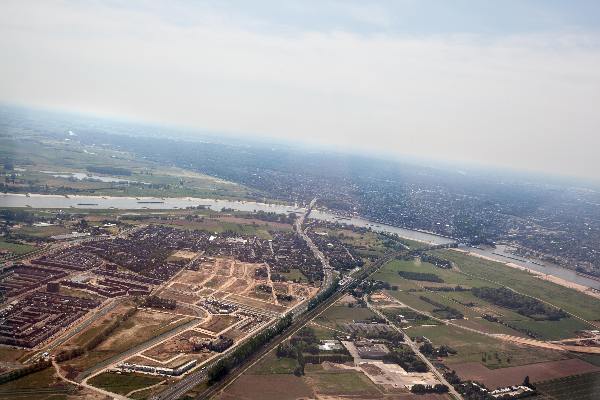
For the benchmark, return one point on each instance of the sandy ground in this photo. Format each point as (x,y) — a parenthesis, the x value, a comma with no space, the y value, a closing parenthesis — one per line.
(559,281)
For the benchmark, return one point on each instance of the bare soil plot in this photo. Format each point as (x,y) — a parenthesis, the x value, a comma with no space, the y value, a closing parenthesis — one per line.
(192,277)
(494,378)
(268,387)
(216,281)
(183,254)
(218,323)
(181,287)
(179,296)
(256,303)
(138,329)
(239,286)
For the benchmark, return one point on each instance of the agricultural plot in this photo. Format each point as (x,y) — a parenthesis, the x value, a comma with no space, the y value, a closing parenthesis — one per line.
(552,370)
(474,347)
(522,281)
(582,387)
(338,316)
(419,294)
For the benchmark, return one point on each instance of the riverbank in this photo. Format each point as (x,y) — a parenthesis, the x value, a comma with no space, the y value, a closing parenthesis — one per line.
(547,277)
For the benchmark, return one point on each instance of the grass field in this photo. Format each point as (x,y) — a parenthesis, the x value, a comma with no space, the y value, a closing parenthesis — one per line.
(410,292)
(123,383)
(273,365)
(580,387)
(16,248)
(39,385)
(338,315)
(295,275)
(568,299)
(42,231)
(474,347)
(342,383)
(36,153)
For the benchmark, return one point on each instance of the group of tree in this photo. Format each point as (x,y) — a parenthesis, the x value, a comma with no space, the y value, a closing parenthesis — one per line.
(406,359)
(303,346)
(523,305)
(108,329)
(273,217)
(422,389)
(420,276)
(456,288)
(437,261)
(154,301)
(21,372)
(449,312)
(431,351)
(369,286)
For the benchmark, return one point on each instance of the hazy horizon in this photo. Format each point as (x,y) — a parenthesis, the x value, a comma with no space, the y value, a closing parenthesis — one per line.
(512,86)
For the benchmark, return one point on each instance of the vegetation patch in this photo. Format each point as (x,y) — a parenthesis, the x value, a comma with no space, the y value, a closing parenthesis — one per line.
(524,305)
(123,383)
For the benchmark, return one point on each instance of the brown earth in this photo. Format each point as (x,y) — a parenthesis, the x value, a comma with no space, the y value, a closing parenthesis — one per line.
(268,387)
(495,378)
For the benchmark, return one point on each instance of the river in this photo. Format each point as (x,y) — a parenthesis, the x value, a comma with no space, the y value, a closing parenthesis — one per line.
(169,203)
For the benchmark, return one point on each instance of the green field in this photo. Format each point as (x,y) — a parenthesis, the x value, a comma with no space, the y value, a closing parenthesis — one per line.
(16,248)
(273,365)
(474,347)
(338,315)
(338,383)
(35,153)
(123,383)
(295,275)
(485,273)
(37,386)
(568,299)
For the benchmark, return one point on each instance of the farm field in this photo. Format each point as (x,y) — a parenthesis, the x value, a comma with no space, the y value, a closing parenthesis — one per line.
(338,315)
(474,347)
(551,370)
(267,387)
(410,292)
(342,383)
(585,306)
(581,387)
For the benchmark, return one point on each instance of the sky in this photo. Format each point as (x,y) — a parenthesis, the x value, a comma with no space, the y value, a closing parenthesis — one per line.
(512,83)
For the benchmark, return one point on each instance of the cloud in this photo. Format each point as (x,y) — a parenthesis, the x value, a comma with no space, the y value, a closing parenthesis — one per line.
(525,100)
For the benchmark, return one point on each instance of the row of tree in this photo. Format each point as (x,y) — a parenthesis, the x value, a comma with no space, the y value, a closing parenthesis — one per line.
(522,304)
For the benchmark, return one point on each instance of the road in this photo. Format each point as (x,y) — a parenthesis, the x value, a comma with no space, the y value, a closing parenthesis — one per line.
(327,269)
(416,350)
